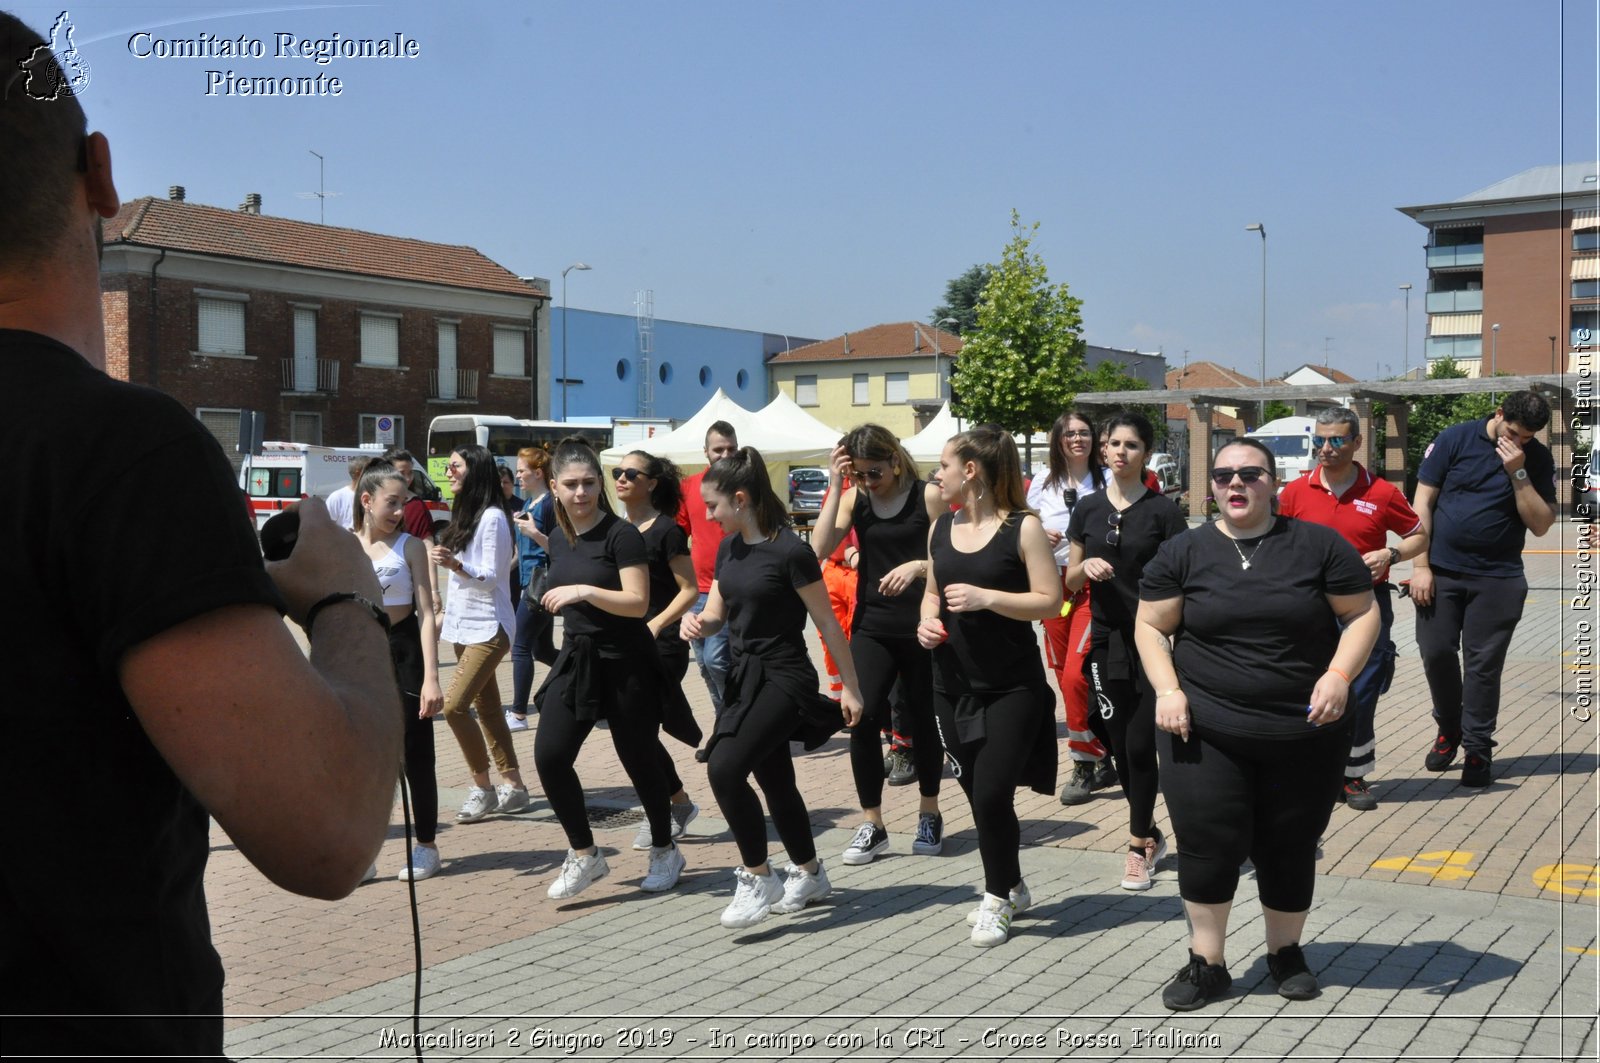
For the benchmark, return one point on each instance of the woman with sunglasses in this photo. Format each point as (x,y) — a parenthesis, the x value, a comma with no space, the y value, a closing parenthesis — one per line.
(651,495)
(1077,470)
(1113,534)
(1249,630)
(890,509)
(608,669)
(992,576)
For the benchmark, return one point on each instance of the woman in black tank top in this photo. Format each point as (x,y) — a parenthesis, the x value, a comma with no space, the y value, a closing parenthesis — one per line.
(890,510)
(992,575)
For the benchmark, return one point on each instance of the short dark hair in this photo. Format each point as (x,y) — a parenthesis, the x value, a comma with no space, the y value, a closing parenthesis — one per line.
(394,454)
(42,130)
(724,429)
(1271,463)
(1526,408)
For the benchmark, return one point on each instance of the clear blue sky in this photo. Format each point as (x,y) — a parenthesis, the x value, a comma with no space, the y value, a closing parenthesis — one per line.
(812,168)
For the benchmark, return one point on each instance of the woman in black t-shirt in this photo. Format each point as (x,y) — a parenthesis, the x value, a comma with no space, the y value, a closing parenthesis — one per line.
(992,575)
(891,511)
(648,488)
(607,670)
(1114,533)
(767,582)
(1269,618)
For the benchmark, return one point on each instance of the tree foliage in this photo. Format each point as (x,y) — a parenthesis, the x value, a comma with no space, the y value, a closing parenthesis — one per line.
(1023,363)
(961,298)
(1110,376)
(1429,416)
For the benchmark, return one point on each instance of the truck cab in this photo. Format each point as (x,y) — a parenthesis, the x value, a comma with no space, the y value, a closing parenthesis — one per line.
(1289,439)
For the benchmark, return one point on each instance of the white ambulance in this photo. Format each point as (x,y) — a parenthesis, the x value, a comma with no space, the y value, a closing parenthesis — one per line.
(287,472)
(1289,439)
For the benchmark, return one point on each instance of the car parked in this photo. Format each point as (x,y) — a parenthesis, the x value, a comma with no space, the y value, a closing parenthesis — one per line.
(807,487)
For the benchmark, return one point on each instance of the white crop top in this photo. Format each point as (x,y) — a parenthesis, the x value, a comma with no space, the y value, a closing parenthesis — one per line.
(394,575)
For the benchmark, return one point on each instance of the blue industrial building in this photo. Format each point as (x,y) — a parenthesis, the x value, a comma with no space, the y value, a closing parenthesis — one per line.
(687,364)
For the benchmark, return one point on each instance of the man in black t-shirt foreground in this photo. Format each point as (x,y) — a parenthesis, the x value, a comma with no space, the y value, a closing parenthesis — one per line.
(156,674)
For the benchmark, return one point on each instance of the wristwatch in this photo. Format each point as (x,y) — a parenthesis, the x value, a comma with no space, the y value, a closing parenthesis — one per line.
(1394,557)
(1520,474)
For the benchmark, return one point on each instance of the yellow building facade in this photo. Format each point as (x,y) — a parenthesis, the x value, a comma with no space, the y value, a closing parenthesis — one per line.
(896,375)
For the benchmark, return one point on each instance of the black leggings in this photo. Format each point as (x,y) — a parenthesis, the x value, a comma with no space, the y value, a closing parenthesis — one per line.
(555,755)
(1268,800)
(405,648)
(879,662)
(1123,716)
(761,747)
(990,771)
(675,663)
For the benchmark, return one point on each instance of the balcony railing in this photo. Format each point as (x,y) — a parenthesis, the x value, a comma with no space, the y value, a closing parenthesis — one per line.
(1455,302)
(1457,347)
(1455,255)
(453,385)
(311,378)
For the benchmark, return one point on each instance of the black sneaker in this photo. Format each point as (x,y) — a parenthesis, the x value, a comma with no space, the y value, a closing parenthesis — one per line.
(1105,775)
(1476,770)
(1358,795)
(1197,984)
(1288,969)
(1442,753)
(902,770)
(870,840)
(1079,784)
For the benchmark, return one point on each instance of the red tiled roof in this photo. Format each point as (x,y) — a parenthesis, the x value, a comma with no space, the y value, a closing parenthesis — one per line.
(1208,375)
(204,230)
(901,339)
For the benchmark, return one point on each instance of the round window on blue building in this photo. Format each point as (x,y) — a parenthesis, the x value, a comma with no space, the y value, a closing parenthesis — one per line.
(742,378)
(705,376)
(622,369)
(665,373)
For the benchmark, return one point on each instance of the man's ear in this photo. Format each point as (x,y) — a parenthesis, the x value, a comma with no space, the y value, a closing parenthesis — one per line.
(100,190)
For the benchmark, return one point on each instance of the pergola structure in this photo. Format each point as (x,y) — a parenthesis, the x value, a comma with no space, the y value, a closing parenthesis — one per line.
(1571,396)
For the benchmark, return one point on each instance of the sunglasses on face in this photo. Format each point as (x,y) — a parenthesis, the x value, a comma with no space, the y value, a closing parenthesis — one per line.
(1246,473)
(629,475)
(1078,433)
(1114,534)
(1318,442)
(870,476)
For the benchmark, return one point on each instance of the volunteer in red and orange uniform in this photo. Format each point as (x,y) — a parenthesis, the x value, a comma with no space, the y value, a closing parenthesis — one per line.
(1364,509)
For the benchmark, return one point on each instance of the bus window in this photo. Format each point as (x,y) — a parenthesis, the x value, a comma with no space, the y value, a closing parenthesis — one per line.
(505,442)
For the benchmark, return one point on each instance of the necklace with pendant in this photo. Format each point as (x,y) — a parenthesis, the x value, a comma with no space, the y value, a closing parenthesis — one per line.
(1244,562)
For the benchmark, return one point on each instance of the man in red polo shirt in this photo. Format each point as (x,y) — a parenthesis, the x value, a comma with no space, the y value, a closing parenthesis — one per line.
(1364,509)
(704,537)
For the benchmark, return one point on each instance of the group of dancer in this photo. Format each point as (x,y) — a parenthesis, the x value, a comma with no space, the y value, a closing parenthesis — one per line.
(1188,677)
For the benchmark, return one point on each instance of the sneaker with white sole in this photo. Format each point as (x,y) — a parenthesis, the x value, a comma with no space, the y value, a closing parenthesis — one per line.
(1021,900)
(479,803)
(577,874)
(870,840)
(1155,852)
(930,834)
(371,872)
(994,921)
(645,840)
(515,722)
(1136,870)
(424,864)
(511,798)
(802,887)
(683,815)
(666,864)
(753,898)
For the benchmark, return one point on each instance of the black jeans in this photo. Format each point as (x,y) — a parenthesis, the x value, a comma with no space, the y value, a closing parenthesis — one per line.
(1477,615)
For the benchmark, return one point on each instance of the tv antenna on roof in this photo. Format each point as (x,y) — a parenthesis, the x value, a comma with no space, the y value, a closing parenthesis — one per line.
(321,194)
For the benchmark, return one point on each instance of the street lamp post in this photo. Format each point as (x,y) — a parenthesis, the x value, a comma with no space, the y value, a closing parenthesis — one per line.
(1405,365)
(569,269)
(1494,353)
(1261,407)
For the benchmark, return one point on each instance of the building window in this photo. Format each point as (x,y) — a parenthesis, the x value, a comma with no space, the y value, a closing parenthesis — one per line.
(858,389)
(221,326)
(368,432)
(896,389)
(305,428)
(705,376)
(305,349)
(664,374)
(622,369)
(1586,289)
(805,390)
(380,340)
(742,379)
(1586,240)
(449,382)
(510,351)
(224,425)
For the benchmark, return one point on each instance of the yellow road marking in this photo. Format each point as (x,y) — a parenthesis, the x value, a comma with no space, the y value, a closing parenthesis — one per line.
(1581,951)
(1445,864)
(1575,880)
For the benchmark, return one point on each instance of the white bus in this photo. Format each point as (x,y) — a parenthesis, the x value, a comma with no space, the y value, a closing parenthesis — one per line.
(502,437)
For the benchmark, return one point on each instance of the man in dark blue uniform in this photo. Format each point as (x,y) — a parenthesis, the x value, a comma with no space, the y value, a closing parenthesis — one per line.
(1482,487)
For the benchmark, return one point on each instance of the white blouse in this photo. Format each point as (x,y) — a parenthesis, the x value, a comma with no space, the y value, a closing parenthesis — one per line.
(479,599)
(1054,513)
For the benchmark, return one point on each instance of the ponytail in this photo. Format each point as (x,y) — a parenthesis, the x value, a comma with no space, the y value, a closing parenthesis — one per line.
(745,470)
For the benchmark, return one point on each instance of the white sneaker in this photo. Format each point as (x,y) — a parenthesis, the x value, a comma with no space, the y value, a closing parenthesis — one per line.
(682,816)
(515,722)
(753,898)
(511,798)
(479,803)
(577,872)
(424,864)
(371,872)
(994,921)
(1021,901)
(666,864)
(801,887)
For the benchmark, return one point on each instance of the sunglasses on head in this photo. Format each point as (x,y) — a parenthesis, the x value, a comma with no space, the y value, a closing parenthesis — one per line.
(1246,473)
(629,475)
(1317,442)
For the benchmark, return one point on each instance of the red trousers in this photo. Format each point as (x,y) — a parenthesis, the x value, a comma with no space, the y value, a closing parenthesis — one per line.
(1066,644)
(841,583)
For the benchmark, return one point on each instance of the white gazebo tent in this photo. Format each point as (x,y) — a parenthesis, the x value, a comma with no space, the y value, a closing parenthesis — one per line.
(928,444)
(785,416)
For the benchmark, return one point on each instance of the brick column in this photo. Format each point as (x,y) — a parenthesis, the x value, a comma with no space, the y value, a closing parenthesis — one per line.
(1199,457)
(1363,411)
(1396,421)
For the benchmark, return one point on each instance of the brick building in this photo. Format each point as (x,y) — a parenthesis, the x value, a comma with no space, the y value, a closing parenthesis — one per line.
(323,329)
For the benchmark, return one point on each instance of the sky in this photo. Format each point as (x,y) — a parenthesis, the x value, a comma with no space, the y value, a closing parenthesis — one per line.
(813,168)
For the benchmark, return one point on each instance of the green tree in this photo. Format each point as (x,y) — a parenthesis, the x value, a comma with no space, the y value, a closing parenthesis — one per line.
(1277,408)
(961,298)
(1023,363)
(1109,376)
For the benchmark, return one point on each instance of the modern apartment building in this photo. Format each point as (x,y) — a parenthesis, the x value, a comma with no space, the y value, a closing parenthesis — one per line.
(1514,272)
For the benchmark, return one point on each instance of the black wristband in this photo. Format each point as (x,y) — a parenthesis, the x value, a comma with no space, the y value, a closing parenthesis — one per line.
(344,596)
